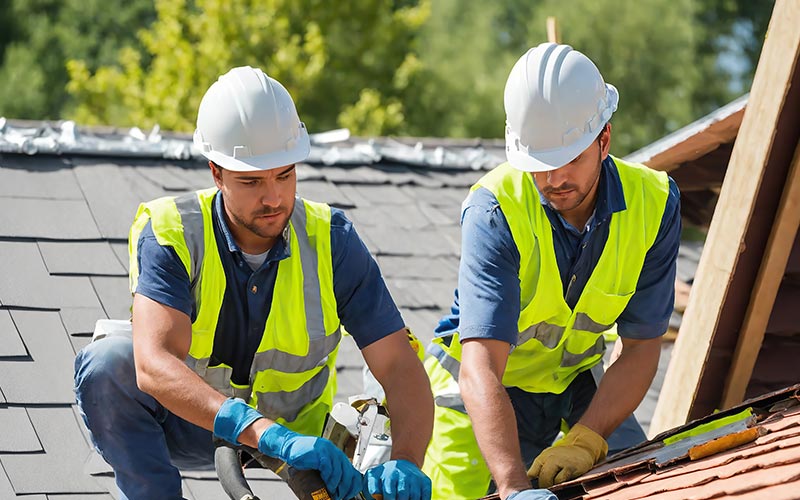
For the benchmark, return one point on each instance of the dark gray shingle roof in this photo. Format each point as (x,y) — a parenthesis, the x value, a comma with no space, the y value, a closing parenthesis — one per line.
(63,228)
(64,220)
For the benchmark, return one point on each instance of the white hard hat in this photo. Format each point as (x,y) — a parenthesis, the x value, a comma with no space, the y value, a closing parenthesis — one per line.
(556,105)
(247,121)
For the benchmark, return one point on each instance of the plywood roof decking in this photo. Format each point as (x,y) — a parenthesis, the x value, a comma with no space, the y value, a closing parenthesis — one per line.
(746,276)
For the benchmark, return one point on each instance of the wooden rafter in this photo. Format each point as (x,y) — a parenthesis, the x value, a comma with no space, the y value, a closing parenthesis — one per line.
(752,153)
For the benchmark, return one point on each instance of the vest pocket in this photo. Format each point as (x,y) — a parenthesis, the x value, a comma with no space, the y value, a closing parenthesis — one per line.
(595,314)
(601,309)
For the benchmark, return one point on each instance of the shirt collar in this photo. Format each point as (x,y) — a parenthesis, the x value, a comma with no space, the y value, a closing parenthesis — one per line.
(279,251)
(610,198)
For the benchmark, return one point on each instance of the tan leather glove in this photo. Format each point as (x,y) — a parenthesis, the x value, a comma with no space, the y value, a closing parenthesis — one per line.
(570,457)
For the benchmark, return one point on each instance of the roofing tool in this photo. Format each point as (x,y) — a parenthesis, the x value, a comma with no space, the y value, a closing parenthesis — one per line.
(305,484)
(350,427)
(368,411)
(360,429)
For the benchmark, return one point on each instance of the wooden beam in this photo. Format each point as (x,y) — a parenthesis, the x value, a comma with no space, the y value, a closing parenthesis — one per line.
(552,30)
(751,152)
(773,267)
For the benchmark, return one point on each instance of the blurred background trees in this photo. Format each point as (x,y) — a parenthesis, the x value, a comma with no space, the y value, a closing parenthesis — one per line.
(378,67)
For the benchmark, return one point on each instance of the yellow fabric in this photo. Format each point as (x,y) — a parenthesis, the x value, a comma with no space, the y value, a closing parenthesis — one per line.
(571,457)
(453,452)
(709,426)
(533,366)
(285,328)
(416,345)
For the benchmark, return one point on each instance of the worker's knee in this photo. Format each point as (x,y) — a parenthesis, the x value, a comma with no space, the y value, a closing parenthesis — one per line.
(104,369)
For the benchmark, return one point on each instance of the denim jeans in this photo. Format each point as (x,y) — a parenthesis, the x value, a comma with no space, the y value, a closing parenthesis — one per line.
(539,417)
(142,441)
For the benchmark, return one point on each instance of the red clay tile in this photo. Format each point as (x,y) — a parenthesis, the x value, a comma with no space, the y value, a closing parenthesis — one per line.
(739,475)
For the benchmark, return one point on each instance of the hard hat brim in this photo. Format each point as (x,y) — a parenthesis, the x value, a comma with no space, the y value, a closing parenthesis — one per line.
(546,160)
(268,161)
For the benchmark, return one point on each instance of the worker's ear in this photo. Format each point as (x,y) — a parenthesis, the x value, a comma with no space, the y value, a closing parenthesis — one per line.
(216,172)
(605,141)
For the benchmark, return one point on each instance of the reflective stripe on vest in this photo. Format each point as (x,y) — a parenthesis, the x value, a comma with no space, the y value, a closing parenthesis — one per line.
(554,342)
(283,384)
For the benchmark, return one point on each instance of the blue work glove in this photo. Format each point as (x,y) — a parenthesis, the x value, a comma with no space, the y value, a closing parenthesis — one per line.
(232,418)
(309,452)
(532,495)
(398,480)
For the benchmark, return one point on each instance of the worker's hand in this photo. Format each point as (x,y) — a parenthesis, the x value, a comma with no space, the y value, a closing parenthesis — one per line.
(398,479)
(232,418)
(569,458)
(309,452)
(532,495)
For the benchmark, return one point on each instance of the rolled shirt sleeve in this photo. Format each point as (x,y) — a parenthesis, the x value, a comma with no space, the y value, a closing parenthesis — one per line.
(162,276)
(647,314)
(488,277)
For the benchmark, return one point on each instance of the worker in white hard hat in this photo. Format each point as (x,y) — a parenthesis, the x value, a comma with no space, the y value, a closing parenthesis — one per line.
(241,293)
(563,246)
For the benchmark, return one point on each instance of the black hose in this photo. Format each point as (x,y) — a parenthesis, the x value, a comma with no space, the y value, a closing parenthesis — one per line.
(231,475)
(306,484)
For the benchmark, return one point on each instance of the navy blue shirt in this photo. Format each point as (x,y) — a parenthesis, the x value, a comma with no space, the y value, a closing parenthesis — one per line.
(364,305)
(488,305)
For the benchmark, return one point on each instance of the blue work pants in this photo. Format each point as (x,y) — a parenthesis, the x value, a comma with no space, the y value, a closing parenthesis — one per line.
(143,442)
(539,417)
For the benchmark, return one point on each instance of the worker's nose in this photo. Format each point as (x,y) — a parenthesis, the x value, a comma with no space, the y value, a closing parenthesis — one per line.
(557,177)
(270,195)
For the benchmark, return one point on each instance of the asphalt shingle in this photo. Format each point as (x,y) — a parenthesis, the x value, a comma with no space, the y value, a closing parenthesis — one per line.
(18,435)
(121,251)
(44,177)
(27,283)
(42,218)
(166,177)
(11,344)
(81,258)
(114,295)
(47,378)
(81,320)
(324,192)
(113,193)
(63,240)
(56,470)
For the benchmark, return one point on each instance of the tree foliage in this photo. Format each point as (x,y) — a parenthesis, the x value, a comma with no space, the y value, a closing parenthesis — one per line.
(410,67)
(646,49)
(37,37)
(345,64)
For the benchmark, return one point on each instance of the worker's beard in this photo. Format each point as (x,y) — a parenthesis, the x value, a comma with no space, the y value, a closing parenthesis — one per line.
(269,228)
(577,195)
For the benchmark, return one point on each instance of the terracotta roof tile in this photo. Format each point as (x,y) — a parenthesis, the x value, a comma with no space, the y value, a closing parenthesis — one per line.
(767,464)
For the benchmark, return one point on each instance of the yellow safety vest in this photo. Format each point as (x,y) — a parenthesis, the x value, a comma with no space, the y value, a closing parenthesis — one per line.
(293,377)
(556,343)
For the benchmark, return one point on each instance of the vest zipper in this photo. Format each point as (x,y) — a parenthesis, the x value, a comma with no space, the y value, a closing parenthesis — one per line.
(569,286)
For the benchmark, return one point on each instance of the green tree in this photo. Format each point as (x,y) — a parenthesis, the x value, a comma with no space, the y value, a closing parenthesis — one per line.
(646,49)
(664,56)
(727,53)
(37,37)
(347,64)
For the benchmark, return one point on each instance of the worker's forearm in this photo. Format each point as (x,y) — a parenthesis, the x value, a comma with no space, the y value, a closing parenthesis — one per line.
(495,429)
(179,389)
(410,403)
(184,393)
(622,388)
